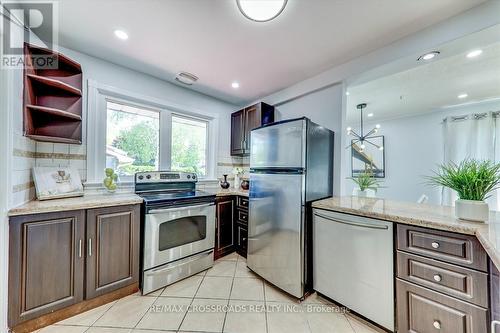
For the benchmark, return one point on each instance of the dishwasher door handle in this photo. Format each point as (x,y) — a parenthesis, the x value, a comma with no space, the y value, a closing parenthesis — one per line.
(356,224)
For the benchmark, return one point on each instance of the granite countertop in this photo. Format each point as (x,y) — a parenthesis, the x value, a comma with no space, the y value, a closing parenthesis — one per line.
(230,191)
(88,201)
(423,215)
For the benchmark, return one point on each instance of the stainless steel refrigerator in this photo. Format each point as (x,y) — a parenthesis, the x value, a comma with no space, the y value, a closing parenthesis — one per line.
(291,165)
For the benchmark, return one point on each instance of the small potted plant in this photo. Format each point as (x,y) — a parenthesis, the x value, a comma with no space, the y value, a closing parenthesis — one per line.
(110,180)
(238,172)
(474,181)
(367,185)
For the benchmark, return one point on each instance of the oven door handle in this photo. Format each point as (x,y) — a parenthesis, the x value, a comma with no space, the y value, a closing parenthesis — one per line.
(168,210)
(180,262)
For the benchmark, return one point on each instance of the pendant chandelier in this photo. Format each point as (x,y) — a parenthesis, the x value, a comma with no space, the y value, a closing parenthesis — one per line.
(363,138)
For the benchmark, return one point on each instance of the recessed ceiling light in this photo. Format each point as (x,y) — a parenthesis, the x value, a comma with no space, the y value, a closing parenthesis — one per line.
(235,85)
(370,114)
(186,78)
(475,53)
(261,10)
(462,96)
(121,34)
(347,93)
(429,56)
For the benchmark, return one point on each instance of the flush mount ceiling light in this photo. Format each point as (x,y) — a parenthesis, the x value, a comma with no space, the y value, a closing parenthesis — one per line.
(186,78)
(462,96)
(261,10)
(363,138)
(428,56)
(235,85)
(475,53)
(369,115)
(121,34)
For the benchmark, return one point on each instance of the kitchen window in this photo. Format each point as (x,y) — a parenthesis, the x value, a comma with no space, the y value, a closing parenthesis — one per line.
(132,133)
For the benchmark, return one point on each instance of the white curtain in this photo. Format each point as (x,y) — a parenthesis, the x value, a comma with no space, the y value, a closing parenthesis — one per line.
(471,136)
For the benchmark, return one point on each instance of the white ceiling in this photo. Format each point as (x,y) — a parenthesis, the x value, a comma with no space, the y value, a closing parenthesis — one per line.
(434,86)
(212,40)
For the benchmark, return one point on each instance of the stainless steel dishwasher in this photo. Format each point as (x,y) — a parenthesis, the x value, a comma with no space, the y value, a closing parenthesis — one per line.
(353,263)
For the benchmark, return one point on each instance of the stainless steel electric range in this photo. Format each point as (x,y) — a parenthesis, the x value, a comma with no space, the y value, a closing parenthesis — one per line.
(178,228)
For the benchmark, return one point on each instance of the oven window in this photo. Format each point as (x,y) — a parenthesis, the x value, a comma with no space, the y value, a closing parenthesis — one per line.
(182,231)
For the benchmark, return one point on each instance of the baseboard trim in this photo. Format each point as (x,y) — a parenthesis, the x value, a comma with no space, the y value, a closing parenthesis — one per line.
(73,310)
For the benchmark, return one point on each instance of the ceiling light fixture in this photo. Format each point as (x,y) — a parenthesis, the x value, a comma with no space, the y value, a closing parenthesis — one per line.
(428,56)
(121,34)
(363,138)
(369,115)
(347,93)
(186,78)
(475,53)
(261,10)
(462,96)
(235,85)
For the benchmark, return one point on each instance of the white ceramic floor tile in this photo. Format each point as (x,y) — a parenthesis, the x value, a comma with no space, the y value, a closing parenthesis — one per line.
(202,273)
(316,299)
(230,257)
(287,318)
(183,288)
(250,289)
(156,293)
(215,287)
(87,318)
(245,317)
(321,321)
(108,330)
(165,314)
(127,312)
(63,329)
(222,268)
(361,326)
(274,294)
(243,271)
(206,315)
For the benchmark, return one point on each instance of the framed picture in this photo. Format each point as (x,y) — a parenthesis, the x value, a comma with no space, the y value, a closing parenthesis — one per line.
(55,183)
(370,159)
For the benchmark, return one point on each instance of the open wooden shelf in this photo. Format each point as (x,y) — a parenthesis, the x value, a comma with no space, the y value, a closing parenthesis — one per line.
(52,97)
(54,112)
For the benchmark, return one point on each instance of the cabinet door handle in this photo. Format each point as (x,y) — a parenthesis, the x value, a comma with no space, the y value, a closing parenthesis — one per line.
(437,324)
(80,248)
(435,245)
(90,247)
(437,278)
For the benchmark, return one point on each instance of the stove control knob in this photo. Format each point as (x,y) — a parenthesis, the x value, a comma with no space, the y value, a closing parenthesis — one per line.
(148,177)
(189,177)
(194,176)
(141,177)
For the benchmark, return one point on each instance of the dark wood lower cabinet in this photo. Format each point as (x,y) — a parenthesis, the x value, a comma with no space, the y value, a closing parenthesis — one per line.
(58,260)
(224,226)
(495,297)
(421,310)
(112,249)
(46,264)
(241,239)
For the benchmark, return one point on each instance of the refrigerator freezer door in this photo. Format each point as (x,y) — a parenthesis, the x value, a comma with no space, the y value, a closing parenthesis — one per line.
(279,146)
(275,237)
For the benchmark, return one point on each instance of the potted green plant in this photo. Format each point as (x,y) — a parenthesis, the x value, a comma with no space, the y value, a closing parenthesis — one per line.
(367,184)
(474,181)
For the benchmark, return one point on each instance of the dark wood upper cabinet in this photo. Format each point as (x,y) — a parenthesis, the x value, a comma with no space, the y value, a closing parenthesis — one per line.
(243,121)
(46,264)
(112,249)
(224,233)
(52,96)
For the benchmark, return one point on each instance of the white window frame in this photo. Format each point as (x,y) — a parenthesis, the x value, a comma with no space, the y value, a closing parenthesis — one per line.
(99,95)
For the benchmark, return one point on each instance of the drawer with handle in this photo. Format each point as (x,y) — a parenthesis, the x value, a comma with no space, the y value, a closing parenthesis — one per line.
(242,202)
(423,311)
(463,250)
(467,284)
(242,216)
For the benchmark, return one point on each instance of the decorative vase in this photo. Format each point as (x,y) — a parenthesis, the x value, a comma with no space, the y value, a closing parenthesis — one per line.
(472,210)
(224,183)
(245,184)
(368,193)
(236,181)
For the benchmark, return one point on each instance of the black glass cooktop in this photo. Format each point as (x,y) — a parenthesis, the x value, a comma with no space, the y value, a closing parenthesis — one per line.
(172,197)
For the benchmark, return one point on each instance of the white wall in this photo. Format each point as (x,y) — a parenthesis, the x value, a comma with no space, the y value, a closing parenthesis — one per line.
(414,147)
(323,107)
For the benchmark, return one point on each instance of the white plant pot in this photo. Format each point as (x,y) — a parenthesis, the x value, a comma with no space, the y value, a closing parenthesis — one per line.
(368,193)
(472,210)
